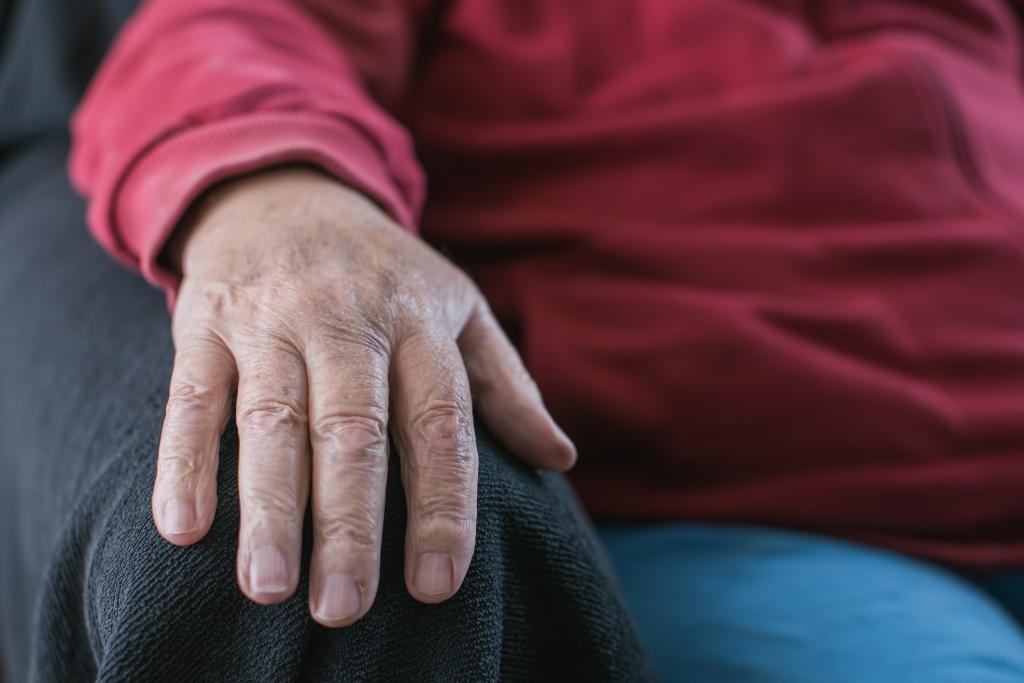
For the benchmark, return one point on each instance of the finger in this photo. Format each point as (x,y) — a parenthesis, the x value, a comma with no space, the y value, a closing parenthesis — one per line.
(348,399)
(185,490)
(433,428)
(273,469)
(507,397)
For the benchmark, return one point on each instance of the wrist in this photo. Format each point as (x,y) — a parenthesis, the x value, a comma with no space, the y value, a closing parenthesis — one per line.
(234,203)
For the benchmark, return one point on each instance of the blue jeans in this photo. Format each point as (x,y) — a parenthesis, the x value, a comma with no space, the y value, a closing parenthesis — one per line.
(730,603)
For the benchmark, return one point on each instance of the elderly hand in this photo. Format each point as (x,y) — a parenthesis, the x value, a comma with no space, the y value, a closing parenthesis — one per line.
(334,324)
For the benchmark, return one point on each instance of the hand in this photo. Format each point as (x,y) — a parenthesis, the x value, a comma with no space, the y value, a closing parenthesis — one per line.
(333,323)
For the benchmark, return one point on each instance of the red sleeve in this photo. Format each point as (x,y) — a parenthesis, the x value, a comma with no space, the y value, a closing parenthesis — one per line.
(195,91)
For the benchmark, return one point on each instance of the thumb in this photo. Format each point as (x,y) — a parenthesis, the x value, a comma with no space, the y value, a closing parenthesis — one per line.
(508,398)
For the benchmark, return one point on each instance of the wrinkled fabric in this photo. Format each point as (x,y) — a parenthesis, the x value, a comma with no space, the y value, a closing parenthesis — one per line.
(765,259)
(88,591)
(91,592)
(748,604)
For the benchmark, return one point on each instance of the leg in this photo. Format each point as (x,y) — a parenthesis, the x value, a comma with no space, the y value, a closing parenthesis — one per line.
(752,605)
(84,372)
(1007,588)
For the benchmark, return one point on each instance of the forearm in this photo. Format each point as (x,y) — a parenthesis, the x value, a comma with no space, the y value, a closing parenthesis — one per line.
(240,86)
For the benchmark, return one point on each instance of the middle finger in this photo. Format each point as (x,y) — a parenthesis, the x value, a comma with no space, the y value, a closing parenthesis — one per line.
(348,388)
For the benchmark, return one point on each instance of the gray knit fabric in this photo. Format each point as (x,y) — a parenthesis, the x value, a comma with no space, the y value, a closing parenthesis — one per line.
(88,591)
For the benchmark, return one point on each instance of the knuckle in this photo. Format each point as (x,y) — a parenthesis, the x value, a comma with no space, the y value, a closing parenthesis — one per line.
(352,312)
(266,504)
(352,434)
(446,489)
(218,299)
(380,295)
(203,305)
(445,428)
(272,415)
(270,337)
(367,330)
(177,463)
(354,531)
(445,519)
(189,398)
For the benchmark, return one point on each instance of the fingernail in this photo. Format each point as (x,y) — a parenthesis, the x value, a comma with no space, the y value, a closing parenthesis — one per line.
(434,574)
(268,572)
(339,598)
(179,516)
(567,444)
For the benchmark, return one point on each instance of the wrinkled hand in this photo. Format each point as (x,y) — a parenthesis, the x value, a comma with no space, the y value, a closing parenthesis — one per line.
(334,324)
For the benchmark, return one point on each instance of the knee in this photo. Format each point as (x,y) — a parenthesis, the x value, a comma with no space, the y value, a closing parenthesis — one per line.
(134,574)
(150,601)
(759,604)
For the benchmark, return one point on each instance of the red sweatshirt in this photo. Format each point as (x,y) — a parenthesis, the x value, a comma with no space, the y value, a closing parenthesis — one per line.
(765,259)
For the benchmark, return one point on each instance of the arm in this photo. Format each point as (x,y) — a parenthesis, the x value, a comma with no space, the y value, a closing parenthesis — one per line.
(335,326)
(197,91)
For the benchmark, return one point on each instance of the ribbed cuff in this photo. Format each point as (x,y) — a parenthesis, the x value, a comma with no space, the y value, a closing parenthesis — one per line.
(159,188)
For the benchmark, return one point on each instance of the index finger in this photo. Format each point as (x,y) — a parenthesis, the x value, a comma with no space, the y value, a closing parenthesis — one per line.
(185,490)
